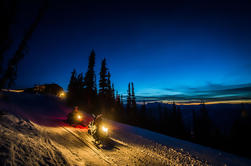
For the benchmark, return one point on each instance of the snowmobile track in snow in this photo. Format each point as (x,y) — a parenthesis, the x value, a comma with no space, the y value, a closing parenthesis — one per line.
(134,153)
(99,152)
(95,150)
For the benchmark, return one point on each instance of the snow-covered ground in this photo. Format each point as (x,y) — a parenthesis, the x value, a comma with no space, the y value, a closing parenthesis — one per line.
(32,133)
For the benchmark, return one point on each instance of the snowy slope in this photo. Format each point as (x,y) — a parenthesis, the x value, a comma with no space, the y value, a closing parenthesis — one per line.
(32,133)
(25,143)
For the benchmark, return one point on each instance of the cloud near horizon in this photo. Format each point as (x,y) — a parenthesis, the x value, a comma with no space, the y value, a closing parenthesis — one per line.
(210,92)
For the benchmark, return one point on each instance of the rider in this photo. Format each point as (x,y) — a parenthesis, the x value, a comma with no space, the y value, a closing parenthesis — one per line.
(71,115)
(98,121)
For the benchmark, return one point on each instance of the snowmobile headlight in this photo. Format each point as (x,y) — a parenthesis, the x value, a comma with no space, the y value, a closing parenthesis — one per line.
(79,117)
(104,129)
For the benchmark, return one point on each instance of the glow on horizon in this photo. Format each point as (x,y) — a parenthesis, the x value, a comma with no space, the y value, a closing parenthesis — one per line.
(193,102)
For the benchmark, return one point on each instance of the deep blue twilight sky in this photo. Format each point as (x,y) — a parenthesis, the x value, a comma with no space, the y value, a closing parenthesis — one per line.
(165,47)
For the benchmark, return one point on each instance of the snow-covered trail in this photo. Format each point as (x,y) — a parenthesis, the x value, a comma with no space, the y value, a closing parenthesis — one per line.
(35,135)
(74,149)
(137,153)
(26,143)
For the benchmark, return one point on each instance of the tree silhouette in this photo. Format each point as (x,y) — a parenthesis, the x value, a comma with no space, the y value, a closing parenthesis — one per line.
(10,74)
(129,100)
(80,82)
(7,15)
(89,92)
(133,99)
(103,79)
(106,90)
(109,81)
(113,93)
(75,88)
(90,78)
(72,82)
(121,100)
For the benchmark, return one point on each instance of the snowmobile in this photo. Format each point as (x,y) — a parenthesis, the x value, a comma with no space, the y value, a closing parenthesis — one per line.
(98,131)
(75,117)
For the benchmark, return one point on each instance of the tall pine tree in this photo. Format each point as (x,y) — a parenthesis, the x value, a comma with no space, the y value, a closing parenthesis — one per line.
(89,94)
(103,81)
(129,100)
(109,92)
(106,90)
(71,95)
(90,77)
(133,98)
(113,93)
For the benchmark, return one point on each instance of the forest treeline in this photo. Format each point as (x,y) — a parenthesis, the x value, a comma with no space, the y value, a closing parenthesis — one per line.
(84,92)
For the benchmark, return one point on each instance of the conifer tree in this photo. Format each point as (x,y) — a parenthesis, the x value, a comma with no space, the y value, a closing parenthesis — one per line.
(9,76)
(72,87)
(89,92)
(106,90)
(121,103)
(103,82)
(80,83)
(89,79)
(117,98)
(95,84)
(109,81)
(121,100)
(133,98)
(113,92)
(129,101)
(72,80)
(110,88)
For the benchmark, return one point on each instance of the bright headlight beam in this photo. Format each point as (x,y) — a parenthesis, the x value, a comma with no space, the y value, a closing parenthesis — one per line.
(104,129)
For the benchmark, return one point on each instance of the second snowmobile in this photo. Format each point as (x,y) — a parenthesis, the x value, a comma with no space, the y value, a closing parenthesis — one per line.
(98,130)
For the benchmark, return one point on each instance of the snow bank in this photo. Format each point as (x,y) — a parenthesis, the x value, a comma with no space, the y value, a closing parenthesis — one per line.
(182,151)
(21,144)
